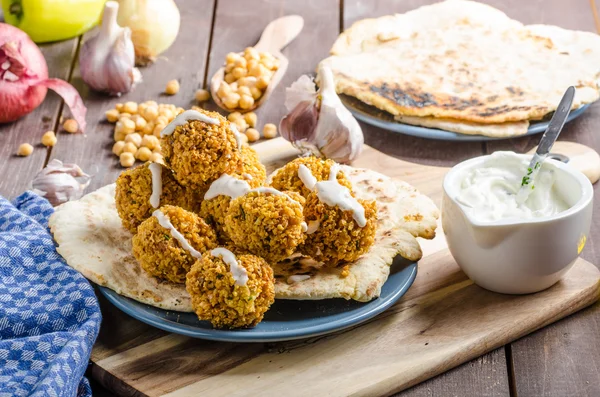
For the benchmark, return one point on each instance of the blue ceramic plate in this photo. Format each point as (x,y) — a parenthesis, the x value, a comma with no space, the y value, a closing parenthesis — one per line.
(375,117)
(285,320)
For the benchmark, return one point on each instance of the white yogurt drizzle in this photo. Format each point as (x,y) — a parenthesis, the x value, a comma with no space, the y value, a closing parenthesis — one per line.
(296,278)
(156,170)
(239,273)
(313,226)
(227,185)
(186,116)
(304,227)
(238,136)
(272,191)
(164,221)
(332,193)
(247,177)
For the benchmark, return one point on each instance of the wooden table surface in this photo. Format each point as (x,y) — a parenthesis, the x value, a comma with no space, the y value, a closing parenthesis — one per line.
(559,360)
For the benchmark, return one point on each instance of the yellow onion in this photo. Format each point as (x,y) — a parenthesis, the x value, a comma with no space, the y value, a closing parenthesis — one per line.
(154,26)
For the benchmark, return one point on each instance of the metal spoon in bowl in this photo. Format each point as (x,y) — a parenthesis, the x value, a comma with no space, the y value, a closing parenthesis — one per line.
(554,128)
(278,34)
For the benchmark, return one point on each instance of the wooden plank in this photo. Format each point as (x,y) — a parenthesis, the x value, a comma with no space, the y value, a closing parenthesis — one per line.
(19,171)
(239,25)
(486,375)
(560,360)
(184,61)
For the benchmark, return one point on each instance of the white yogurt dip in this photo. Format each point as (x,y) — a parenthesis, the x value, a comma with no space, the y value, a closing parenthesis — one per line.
(488,193)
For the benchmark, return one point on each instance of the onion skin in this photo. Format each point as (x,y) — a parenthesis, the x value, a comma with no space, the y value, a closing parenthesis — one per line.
(24,79)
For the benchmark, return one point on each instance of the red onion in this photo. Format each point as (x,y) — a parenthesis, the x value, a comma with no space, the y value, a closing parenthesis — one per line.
(24,79)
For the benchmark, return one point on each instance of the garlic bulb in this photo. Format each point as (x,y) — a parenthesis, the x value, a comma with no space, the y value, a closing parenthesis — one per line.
(154,26)
(60,183)
(106,61)
(318,122)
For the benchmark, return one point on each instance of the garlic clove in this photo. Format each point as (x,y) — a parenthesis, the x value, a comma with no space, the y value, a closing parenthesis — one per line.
(60,183)
(318,122)
(107,60)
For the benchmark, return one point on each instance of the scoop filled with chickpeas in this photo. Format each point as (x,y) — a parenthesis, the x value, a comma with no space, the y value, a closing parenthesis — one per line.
(246,80)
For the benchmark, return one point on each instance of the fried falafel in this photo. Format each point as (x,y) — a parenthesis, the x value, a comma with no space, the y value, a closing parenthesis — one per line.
(169,242)
(231,291)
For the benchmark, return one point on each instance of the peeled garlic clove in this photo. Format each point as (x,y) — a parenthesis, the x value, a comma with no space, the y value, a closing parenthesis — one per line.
(107,60)
(318,123)
(60,183)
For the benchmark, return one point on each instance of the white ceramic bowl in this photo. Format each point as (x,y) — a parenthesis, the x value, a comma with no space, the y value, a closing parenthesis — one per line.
(518,257)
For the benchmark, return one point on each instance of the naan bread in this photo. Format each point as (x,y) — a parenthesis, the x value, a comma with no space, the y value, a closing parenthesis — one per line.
(464,61)
(502,130)
(92,240)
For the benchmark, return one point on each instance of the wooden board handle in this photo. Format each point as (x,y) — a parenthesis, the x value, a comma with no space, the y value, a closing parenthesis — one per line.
(582,157)
(280,33)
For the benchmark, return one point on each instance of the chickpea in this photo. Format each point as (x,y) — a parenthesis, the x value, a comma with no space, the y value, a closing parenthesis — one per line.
(250,119)
(118,147)
(130,107)
(240,63)
(150,113)
(269,131)
(150,141)
(229,78)
(223,90)
(241,125)
(129,148)
(148,128)
(49,139)
(161,120)
(248,81)
(143,154)
(24,150)
(253,63)
(252,135)
(172,87)
(234,116)
(112,115)
(202,95)
(256,92)
(239,72)
(119,135)
(168,114)
(244,90)
(126,159)
(263,82)
(139,121)
(244,138)
(232,57)
(156,158)
(158,129)
(124,115)
(246,102)
(142,107)
(178,111)
(229,67)
(70,126)
(256,70)
(231,101)
(251,53)
(134,138)
(267,63)
(125,126)
(119,107)
(234,86)
(151,103)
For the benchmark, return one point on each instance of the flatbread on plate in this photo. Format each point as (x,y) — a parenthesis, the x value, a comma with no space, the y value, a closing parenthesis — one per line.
(465,62)
(92,240)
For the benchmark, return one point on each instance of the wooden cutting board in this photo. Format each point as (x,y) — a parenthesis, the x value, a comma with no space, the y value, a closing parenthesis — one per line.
(442,321)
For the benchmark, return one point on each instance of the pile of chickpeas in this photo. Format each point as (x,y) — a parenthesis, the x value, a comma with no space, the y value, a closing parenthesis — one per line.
(137,130)
(247,76)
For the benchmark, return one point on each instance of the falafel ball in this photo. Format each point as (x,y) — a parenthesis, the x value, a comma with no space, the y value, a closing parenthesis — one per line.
(252,172)
(217,297)
(250,168)
(134,189)
(333,235)
(267,223)
(286,178)
(159,250)
(199,152)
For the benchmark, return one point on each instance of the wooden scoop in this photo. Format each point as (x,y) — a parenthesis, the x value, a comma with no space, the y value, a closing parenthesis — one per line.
(278,34)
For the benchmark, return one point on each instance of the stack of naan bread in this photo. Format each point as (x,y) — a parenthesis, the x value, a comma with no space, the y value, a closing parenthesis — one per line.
(465,67)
